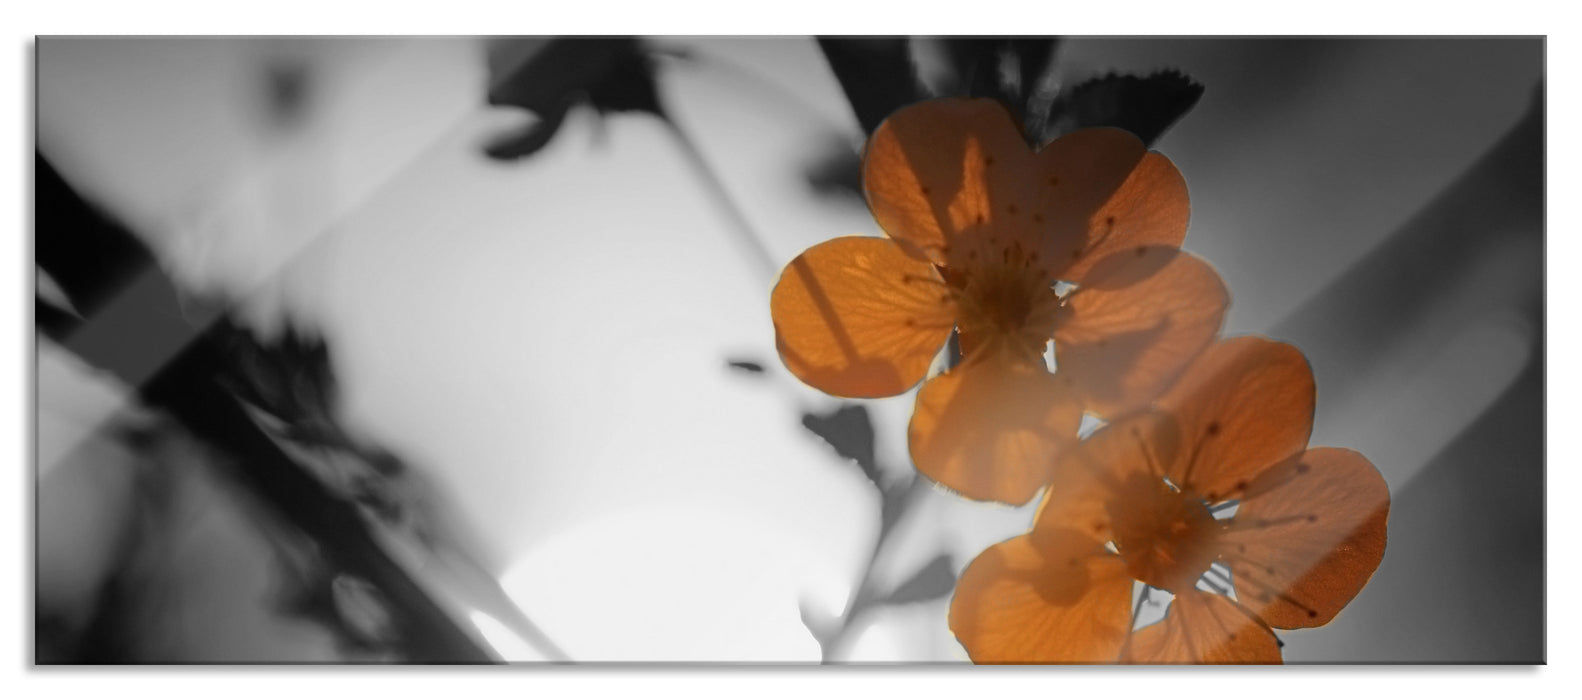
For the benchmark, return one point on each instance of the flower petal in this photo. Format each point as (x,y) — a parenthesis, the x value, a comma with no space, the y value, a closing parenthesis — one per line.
(857,317)
(1103,192)
(1203,628)
(992,427)
(1307,536)
(938,168)
(1134,324)
(1243,406)
(1150,208)
(1020,603)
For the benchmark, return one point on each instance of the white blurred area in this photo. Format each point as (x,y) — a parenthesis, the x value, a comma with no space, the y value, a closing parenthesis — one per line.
(548,339)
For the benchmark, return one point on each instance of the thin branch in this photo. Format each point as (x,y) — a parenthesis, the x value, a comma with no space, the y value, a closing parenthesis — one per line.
(894,504)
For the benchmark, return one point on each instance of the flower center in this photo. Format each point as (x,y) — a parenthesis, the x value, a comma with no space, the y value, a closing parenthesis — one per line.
(1166,537)
(1003,295)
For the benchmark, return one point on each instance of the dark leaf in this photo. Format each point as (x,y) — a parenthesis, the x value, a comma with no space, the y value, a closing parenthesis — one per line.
(1144,106)
(746,366)
(935,580)
(849,430)
(548,77)
(1011,70)
(877,75)
(1034,58)
(529,139)
(975,65)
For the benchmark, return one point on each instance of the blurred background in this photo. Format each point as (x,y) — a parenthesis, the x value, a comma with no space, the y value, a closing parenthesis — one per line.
(458,350)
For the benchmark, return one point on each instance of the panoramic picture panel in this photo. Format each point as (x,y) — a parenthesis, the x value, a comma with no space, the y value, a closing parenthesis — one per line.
(789,350)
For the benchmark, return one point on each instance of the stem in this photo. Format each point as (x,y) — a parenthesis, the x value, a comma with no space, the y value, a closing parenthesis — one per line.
(893,506)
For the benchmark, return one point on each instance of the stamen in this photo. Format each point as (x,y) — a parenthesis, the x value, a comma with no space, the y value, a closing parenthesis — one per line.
(1197,449)
(1262,523)
(1142,446)
(1266,591)
(1230,635)
(1275,478)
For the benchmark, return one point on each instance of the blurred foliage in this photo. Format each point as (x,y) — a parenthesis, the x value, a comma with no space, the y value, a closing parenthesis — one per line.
(748,366)
(849,430)
(547,77)
(182,357)
(876,74)
(1010,69)
(1144,105)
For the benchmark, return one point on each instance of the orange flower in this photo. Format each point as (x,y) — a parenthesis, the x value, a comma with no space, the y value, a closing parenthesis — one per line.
(1145,499)
(981,229)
